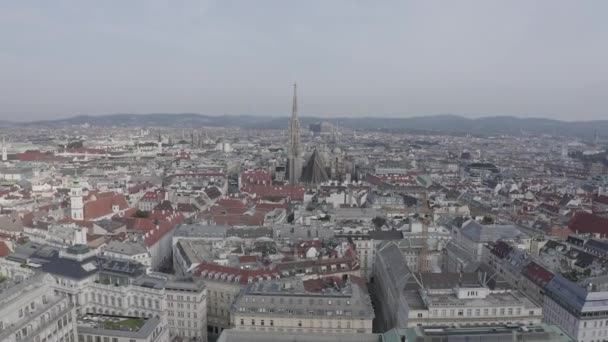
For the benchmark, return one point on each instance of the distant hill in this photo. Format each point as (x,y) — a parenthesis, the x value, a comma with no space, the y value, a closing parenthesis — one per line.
(439,123)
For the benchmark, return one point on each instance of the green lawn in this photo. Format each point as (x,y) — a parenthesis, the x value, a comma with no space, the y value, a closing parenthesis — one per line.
(131,324)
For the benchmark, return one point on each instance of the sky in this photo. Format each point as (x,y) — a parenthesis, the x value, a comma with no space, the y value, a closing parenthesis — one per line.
(541,58)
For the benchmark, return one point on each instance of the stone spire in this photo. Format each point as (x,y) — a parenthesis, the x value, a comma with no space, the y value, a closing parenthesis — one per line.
(294,163)
(4,150)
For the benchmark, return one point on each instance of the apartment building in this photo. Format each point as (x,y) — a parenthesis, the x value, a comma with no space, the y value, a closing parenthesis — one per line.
(581,312)
(326,306)
(30,311)
(186,302)
(407,299)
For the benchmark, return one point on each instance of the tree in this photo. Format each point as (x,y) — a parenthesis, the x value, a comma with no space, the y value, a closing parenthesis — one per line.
(141,214)
(379,222)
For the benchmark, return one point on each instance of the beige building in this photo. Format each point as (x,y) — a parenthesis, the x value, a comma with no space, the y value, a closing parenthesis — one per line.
(326,306)
(408,299)
(222,294)
(187,308)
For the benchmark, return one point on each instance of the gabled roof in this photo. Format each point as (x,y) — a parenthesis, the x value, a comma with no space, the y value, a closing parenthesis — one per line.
(314,170)
(537,274)
(102,205)
(587,223)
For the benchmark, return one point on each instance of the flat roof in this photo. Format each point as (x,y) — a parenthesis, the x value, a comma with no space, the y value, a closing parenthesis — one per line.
(120,326)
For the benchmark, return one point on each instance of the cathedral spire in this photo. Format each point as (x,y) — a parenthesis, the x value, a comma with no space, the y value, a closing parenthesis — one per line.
(294,111)
(294,166)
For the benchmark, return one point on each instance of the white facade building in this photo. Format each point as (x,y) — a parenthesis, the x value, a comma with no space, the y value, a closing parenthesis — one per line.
(30,311)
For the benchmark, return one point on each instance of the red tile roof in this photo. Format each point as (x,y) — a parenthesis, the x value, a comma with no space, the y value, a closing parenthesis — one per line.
(538,274)
(4,250)
(293,192)
(587,223)
(155,226)
(36,156)
(209,270)
(247,259)
(102,205)
(320,284)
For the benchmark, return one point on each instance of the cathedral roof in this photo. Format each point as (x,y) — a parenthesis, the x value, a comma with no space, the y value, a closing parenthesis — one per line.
(314,171)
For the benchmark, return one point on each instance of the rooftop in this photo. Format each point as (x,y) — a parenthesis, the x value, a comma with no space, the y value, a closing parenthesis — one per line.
(112,322)
(120,326)
(538,333)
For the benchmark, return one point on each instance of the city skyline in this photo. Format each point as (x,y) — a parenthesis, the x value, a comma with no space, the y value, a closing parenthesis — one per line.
(399,59)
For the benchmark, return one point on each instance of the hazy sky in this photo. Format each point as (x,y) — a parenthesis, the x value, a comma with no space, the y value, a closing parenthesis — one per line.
(546,58)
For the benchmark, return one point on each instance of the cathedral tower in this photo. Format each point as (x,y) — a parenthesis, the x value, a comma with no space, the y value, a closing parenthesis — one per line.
(294,161)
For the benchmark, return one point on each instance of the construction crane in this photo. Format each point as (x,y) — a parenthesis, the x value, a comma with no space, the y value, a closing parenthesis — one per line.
(425,217)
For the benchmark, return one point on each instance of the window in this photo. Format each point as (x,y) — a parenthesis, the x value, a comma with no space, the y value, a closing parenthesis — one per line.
(253,322)
(262,322)
(300,323)
(271,322)
(419,315)
(243,322)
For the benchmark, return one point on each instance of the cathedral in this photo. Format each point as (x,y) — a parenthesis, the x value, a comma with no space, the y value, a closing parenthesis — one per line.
(315,170)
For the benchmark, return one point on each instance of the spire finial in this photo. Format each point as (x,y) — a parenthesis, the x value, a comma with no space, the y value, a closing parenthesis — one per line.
(294,111)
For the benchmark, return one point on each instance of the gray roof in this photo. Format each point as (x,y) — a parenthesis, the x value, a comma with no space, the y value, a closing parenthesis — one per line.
(389,256)
(351,300)
(198,230)
(386,234)
(232,335)
(477,232)
(126,248)
(574,297)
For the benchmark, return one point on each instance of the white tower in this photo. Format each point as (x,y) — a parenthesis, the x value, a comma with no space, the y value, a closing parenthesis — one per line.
(4,151)
(160,144)
(76,202)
